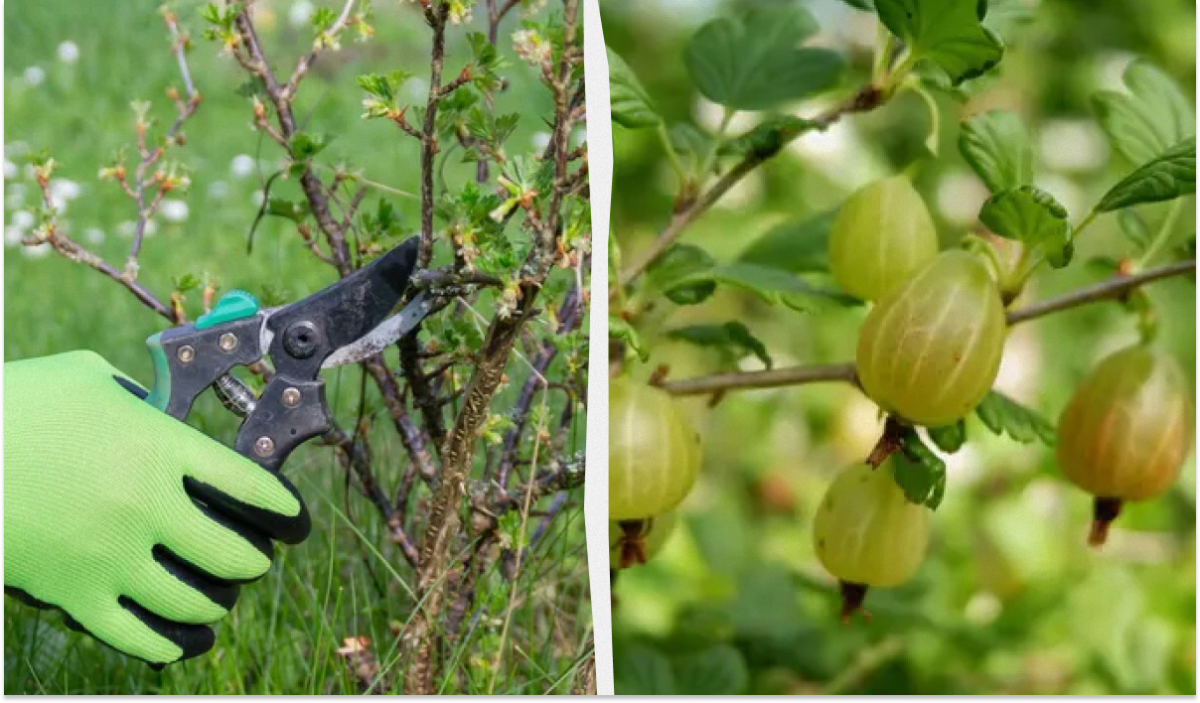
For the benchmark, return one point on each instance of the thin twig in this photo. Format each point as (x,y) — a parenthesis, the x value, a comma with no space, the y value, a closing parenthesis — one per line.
(1105,290)
(800,375)
(866,99)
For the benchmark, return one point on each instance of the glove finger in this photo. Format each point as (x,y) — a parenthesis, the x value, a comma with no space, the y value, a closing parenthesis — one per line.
(213,545)
(129,628)
(238,487)
(168,588)
(290,529)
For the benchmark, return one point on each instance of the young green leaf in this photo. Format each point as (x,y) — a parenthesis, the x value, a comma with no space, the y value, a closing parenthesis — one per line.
(997,147)
(1003,415)
(1171,175)
(751,62)
(949,33)
(718,670)
(800,246)
(732,337)
(304,146)
(1030,215)
(670,273)
(919,472)
(949,438)
(631,106)
(1150,118)
(641,670)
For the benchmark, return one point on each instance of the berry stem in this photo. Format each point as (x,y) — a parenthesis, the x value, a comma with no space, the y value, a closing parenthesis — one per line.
(1104,512)
(853,595)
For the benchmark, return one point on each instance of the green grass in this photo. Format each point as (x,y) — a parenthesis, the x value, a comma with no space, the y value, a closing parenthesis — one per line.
(347,580)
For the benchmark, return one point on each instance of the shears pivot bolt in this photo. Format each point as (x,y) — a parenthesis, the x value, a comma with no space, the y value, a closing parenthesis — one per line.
(291,397)
(186,354)
(228,342)
(264,446)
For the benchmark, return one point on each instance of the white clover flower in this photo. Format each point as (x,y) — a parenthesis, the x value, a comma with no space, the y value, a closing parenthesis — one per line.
(174,210)
(12,236)
(218,190)
(10,170)
(300,13)
(37,251)
(22,220)
(242,165)
(15,196)
(68,52)
(65,189)
(34,75)
(93,235)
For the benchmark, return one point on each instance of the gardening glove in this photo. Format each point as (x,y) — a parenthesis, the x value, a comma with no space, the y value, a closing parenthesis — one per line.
(137,526)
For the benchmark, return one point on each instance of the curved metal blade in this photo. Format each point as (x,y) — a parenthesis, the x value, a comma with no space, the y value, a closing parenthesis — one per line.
(384,335)
(306,332)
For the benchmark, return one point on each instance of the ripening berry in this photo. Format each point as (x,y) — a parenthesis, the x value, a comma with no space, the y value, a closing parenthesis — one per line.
(883,235)
(653,454)
(635,542)
(930,350)
(1126,431)
(867,533)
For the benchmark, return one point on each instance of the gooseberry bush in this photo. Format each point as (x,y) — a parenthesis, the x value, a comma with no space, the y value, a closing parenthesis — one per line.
(934,302)
(457,451)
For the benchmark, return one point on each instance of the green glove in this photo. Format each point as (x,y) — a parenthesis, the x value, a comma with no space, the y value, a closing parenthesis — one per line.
(137,526)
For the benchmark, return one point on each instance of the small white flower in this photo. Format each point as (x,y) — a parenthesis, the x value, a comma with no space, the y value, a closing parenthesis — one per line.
(128,228)
(10,170)
(22,220)
(174,210)
(15,197)
(36,251)
(218,190)
(242,165)
(94,235)
(416,88)
(65,189)
(300,13)
(59,203)
(12,236)
(68,52)
(540,140)
(34,75)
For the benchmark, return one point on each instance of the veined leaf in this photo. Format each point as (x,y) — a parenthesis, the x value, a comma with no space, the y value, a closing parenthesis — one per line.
(1171,175)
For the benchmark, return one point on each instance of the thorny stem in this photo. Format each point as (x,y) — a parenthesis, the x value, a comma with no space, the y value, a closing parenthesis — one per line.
(458,451)
(866,99)
(799,375)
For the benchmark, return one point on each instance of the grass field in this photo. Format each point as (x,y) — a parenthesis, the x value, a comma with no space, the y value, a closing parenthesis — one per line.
(71,72)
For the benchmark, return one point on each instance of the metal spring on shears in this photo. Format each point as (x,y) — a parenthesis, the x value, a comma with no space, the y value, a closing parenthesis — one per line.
(235,395)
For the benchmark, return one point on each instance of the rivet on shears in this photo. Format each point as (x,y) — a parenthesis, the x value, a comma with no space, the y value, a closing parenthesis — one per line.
(228,342)
(291,397)
(264,446)
(186,354)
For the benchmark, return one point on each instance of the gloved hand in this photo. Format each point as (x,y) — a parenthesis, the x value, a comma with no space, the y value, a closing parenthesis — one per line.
(137,526)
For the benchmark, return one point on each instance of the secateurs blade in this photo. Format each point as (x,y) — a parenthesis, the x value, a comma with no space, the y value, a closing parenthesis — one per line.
(344,323)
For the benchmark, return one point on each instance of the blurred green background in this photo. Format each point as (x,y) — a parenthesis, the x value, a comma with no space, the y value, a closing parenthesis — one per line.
(1010,598)
(71,70)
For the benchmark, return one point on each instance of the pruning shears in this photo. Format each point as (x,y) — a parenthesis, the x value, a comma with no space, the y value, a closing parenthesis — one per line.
(342,324)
